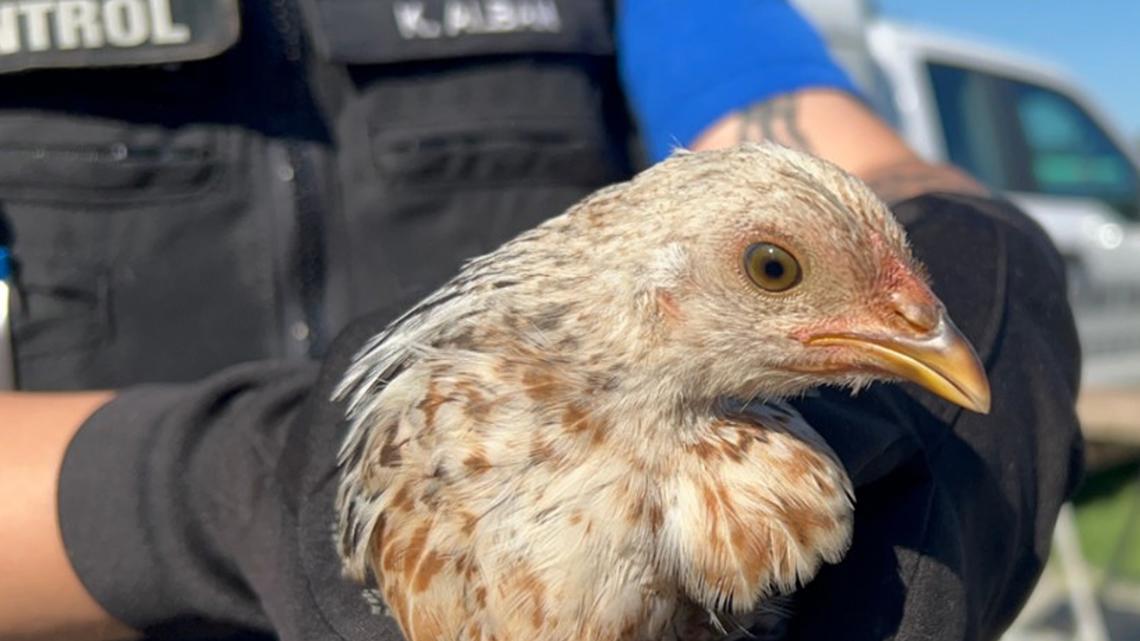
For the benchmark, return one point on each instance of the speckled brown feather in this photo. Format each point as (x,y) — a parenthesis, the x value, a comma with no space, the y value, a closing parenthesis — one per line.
(581,436)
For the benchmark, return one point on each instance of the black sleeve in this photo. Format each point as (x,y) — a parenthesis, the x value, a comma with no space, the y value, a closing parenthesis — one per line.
(168,499)
(205,510)
(955,510)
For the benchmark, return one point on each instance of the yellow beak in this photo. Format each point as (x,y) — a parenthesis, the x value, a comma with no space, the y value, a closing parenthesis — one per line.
(941,360)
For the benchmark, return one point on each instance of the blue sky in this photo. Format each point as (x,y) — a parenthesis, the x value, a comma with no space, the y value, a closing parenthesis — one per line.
(1097,41)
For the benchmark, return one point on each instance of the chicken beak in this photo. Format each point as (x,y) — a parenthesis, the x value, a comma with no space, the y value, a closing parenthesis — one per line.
(941,361)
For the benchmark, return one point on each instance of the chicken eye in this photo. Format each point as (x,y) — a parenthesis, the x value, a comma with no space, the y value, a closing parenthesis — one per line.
(771,267)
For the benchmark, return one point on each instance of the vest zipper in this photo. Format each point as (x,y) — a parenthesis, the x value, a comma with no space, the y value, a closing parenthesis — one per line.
(299,167)
(308,249)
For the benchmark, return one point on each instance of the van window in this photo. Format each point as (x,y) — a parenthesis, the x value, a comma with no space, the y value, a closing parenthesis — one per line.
(1069,154)
(968,123)
(1019,136)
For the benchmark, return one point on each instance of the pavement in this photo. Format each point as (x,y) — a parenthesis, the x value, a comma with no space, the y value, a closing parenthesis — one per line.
(1050,616)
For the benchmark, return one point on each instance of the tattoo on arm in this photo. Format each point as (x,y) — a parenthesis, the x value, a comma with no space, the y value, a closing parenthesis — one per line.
(915,177)
(779,120)
(774,120)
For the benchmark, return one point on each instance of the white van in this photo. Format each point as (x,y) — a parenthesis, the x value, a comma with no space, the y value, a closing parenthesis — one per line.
(1023,128)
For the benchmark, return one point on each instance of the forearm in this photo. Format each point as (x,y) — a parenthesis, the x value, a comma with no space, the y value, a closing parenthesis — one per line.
(40,595)
(836,126)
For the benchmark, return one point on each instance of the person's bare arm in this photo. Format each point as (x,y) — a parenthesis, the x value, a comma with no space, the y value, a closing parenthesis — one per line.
(40,595)
(837,127)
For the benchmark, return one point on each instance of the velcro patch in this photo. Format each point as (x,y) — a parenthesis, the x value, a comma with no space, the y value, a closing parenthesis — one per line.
(378,32)
(46,34)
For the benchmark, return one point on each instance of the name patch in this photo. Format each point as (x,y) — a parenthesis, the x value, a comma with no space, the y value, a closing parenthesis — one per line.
(40,34)
(469,17)
(394,31)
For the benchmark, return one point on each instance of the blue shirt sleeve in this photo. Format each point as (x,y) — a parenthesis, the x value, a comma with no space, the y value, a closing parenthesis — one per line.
(687,63)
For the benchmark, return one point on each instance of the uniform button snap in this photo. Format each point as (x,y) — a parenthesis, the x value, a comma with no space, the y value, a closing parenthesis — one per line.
(299,331)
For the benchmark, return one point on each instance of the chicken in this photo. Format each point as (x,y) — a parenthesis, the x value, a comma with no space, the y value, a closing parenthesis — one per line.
(583,436)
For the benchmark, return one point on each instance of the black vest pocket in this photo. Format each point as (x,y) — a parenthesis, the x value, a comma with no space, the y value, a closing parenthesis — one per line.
(477,93)
(107,223)
(464,123)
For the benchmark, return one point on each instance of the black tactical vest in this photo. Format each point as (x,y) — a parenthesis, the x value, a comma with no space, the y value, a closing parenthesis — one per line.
(188,184)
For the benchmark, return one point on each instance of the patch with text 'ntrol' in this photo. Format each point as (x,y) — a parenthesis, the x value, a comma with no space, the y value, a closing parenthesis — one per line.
(60,34)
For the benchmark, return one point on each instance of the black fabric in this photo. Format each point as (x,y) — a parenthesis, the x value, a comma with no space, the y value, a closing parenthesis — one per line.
(169,496)
(203,511)
(212,503)
(169,220)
